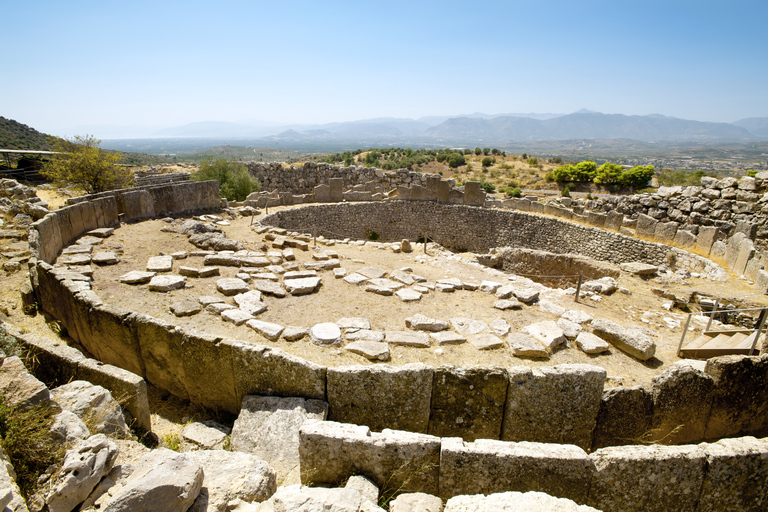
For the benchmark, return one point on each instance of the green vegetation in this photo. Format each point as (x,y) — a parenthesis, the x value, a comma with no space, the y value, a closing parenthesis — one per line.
(488,161)
(14,135)
(83,163)
(668,178)
(608,174)
(488,186)
(172,442)
(26,440)
(235,183)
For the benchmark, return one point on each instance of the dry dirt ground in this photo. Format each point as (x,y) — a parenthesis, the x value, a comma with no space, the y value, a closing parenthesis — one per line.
(337,299)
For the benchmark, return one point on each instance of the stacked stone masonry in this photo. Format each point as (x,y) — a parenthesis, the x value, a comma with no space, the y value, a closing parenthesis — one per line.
(733,403)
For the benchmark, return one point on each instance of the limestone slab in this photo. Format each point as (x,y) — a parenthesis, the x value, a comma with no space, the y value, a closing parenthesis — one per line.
(160,264)
(236,316)
(485,341)
(631,341)
(232,286)
(447,337)
(136,277)
(523,345)
(591,344)
(269,330)
(302,286)
(408,339)
(421,322)
(326,333)
(166,283)
(373,350)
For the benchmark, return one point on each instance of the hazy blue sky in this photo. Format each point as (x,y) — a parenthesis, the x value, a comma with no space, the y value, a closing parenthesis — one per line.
(166,63)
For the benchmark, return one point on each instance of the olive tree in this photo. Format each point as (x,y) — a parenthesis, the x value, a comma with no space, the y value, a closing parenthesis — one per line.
(235,182)
(81,162)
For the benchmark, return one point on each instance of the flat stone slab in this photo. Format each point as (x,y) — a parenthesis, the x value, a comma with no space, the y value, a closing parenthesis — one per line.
(186,308)
(188,271)
(355,278)
(339,272)
(445,287)
(101,232)
(294,333)
(386,283)
(89,240)
(372,272)
(570,329)
(408,339)
(136,277)
(218,307)
(269,287)
(364,335)
(447,337)
(505,292)
(105,258)
(250,302)
(489,286)
(232,286)
(166,283)
(205,437)
(236,316)
(300,274)
(523,345)
(75,259)
(419,322)
(591,344)
(302,286)
(639,268)
(402,277)
(268,330)
(323,265)
(547,332)
(576,316)
(373,350)
(505,304)
(205,300)
(526,295)
(631,341)
(325,334)
(467,326)
(208,271)
(408,295)
(485,341)
(353,323)
(551,307)
(379,290)
(457,283)
(160,264)
(500,327)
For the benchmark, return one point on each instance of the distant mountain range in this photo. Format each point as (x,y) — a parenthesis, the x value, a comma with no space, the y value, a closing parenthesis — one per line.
(479,129)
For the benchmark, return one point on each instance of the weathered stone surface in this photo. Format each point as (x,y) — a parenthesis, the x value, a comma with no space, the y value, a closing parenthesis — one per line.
(250,302)
(267,329)
(364,335)
(408,295)
(547,333)
(294,333)
(739,402)
(499,327)
(467,402)
(302,286)
(393,459)
(485,341)
(631,341)
(735,476)
(373,350)
(20,388)
(166,283)
(576,316)
(505,304)
(269,287)
(67,427)
(231,476)
(402,277)
(216,308)
(523,345)
(317,499)
(624,417)
(487,466)
(163,480)
(549,306)
(92,404)
(381,396)
(526,295)
(629,478)
(160,264)
(203,437)
(268,427)
(419,322)
(348,323)
(489,286)
(557,404)
(513,500)
(231,286)
(186,307)
(235,316)
(416,502)
(82,469)
(326,333)
(136,277)
(682,398)
(105,258)
(355,278)
(364,486)
(447,337)
(591,344)
(640,269)
(467,326)
(408,339)
(571,330)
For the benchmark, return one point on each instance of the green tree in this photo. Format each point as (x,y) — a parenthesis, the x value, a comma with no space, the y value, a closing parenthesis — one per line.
(608,173)
(235,182)
(585,171)
(478,151)
(488,187)
(487,161)
(637,177)
(486,151)
(456,160)
(83,163)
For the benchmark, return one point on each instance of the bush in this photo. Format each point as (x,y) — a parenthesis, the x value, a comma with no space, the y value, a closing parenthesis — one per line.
(83,163)
(235,182)
(488,186)
(486,151)
(637,177)
(566,192)
(533,162)
(514,192)
(478,151)
(456,160)
(487,161)
(608,173)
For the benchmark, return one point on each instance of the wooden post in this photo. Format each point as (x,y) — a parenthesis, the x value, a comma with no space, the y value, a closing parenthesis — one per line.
(425,242)
(578,289)
(314,235)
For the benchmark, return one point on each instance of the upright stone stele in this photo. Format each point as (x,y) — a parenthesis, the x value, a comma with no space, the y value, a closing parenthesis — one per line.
(474,195)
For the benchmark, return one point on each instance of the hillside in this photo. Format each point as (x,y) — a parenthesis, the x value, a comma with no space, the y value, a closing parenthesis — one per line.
(14,135)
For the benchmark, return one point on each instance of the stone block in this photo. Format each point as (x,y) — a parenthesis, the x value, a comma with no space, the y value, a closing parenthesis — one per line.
(737,470)
(396,461)
(50,238)
(745,252)
(647,478)
(732,249)
(682,398)
(632,341)
(207,363)
(127,388)
(137,204)
(614,220)
(268,427)
(21,389)
(488,466)
(336,190)
(684,239)
(557,404)
(706,237)
(474,195)
(665,232)
(443,191)
(739,401)
(262,370)
(718,250)
(646,226)
(754,266)
(162,353)
(624,417)
(113,338)
(468,402)
(596,219)
(322,193)
(381,396)
(56,363)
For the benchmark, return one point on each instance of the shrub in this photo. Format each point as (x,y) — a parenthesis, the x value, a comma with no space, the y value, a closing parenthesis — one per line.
(514,192)
(478,151)
(83,163)
(488,186)
(486,151)
(235,182)
(487,161)
(533,161)
(455,160)
(637,177)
